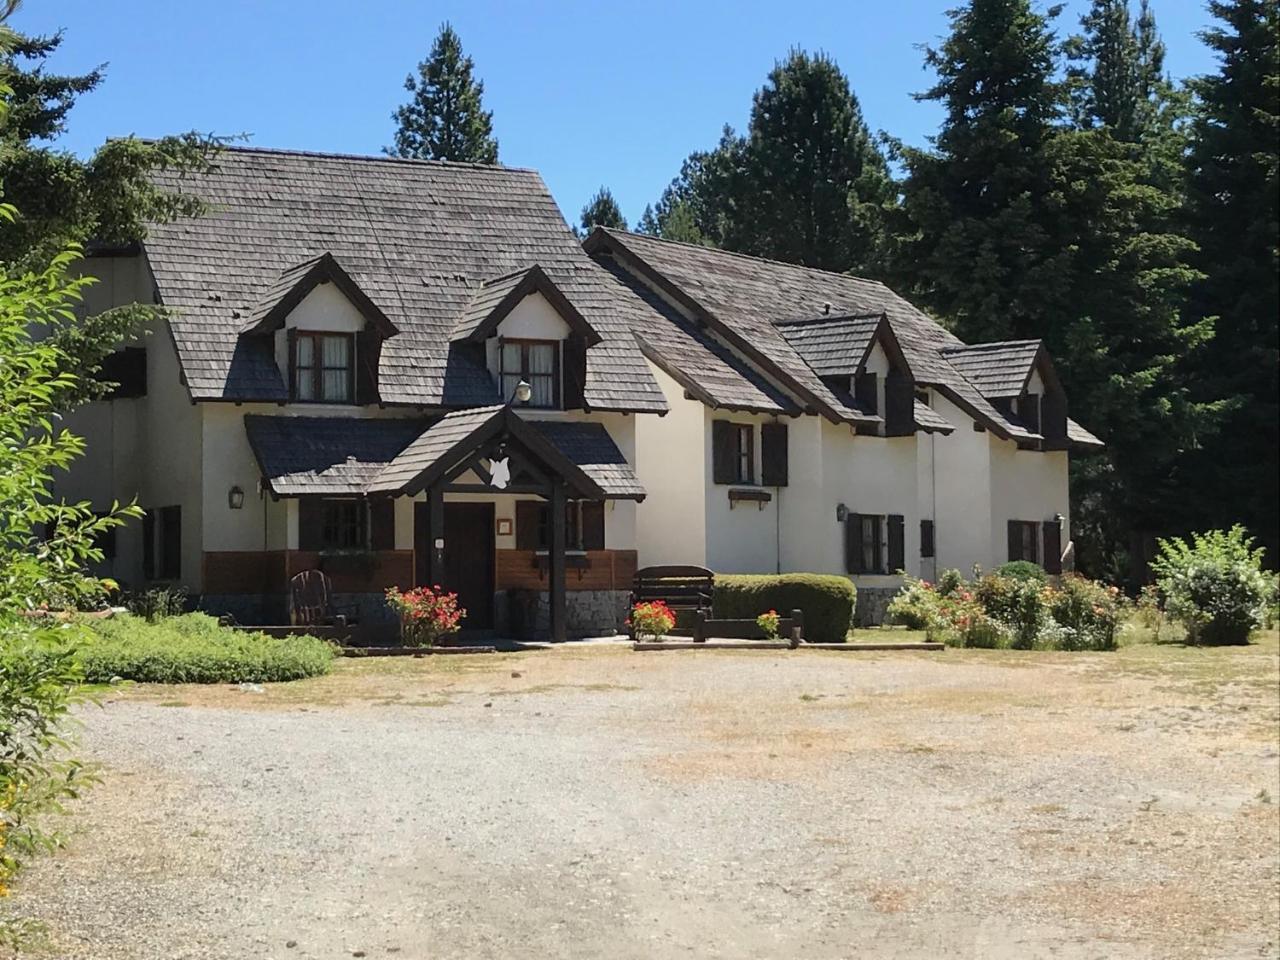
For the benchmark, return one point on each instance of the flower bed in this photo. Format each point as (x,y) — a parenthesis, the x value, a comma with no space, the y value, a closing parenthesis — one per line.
(1002,611)
(426,614)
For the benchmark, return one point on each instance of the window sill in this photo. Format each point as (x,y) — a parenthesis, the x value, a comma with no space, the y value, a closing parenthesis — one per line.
(758,497)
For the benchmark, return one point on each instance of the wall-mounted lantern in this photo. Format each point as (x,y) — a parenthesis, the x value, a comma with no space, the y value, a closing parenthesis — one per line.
(842,513)
(235,498)
(524,392)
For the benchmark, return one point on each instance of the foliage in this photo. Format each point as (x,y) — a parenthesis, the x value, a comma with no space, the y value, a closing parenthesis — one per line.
(1233,209)
(426,614)
(1087,613)
(1213,584)
(107,198)
(195,648)
(157,603)
(806,184)
(45,546)
(38,675)
(653,619)
(445,117)
(950,582)
(827,601)
(1148,612)
(1022,570)
(768,623)
(1021,604)
(602,210)
(1001,611)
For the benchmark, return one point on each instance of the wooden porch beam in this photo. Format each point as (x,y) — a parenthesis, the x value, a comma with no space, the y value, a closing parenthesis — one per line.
(435,550)
(556,587)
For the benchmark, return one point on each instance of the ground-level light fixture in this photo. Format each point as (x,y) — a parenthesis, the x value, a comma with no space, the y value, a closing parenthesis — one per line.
(235,497)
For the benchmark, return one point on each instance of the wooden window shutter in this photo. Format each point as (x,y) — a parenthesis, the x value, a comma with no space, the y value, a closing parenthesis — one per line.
(575,373)
(382,523)
(865,392)
(149,545)
(310,523)
(1015,540)
(773,452)
(1052,546)
(528,513)
(292,337)
(899,405)
(927,548)
(1053,420)
(593,525)
(368,353)
(1029,411)
(724,452)
(897,544)
(853,543)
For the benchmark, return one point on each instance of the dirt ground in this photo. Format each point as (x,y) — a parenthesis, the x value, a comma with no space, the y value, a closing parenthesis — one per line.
(592,801)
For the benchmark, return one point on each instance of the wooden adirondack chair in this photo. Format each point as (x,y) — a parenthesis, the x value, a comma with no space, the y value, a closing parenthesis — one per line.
(311,601)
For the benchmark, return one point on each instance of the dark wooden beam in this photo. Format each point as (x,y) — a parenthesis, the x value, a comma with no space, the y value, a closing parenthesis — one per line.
(435,551)
(534,489)
(556,587)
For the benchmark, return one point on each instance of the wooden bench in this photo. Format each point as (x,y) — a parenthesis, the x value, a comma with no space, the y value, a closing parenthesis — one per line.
(684,589)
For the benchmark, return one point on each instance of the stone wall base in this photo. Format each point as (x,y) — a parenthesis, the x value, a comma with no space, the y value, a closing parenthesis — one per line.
(873,605)
(526,614)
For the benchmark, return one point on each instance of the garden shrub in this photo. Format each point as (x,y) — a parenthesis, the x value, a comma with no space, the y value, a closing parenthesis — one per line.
(157,603)
(828,601)
(1213,585)
(1087,613)
(195,648)
(917,607)
(950,581)
(1019,604)
(1022,570)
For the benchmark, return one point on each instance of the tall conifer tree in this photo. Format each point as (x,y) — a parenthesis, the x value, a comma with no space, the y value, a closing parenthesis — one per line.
(445,117)
(1233,195)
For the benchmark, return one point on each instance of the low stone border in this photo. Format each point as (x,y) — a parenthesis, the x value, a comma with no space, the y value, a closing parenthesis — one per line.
(782,645)
(411,651)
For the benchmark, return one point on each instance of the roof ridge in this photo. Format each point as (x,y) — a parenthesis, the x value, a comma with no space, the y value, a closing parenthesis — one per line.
(837,318)
(748,256)
(375,157)
(990,345)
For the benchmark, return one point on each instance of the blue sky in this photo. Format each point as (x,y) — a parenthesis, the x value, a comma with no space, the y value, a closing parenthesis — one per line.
(588,93)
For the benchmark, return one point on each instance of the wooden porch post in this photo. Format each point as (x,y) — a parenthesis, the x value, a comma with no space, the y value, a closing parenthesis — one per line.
(557,584)
(435,550)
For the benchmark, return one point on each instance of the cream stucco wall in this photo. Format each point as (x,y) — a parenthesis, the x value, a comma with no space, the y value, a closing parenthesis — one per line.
(669,458)
(1026,485)
(962,478)
(326,309)
(533,318)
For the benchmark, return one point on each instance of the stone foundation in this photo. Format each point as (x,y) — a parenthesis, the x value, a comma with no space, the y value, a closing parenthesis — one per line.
(873,604)
(526,614)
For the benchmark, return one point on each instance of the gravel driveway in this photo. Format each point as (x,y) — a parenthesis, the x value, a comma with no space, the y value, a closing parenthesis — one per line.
(597,802)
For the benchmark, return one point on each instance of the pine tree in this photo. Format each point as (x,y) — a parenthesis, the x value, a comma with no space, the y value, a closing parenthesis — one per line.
(445,118)
(1233,195)
(975,239)
(66,200)
(602,211)
(815,185)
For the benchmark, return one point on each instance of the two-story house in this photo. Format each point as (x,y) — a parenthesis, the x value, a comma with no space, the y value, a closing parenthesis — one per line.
(412,372)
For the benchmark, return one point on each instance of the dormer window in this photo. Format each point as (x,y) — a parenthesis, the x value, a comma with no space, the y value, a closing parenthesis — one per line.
(322,368)
(537,362)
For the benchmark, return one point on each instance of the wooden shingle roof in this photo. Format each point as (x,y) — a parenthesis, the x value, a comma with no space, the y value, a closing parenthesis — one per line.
(326,455)
(762,299)
(997,369)
(418,237)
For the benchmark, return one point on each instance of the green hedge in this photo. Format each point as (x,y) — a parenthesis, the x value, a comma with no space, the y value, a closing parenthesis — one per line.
(195,648)
(827,601)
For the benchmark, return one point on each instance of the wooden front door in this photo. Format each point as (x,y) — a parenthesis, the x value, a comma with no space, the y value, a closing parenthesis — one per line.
(468,557)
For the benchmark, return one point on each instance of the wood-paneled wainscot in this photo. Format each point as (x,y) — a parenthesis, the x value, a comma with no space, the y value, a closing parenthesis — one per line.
(590,570)
(269,571)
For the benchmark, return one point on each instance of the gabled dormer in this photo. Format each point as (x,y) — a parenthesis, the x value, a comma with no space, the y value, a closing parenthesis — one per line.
(326,333)
(523,327)
(1019,379)
(859,358)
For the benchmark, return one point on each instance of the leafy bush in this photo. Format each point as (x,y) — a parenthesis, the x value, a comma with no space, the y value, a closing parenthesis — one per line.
(950,581)
(157,603)
(1213,585)
(1019,604)
(653,620)
(827,601)
(426,614)
(1022,570)
(1087,612)
(194,648)
(918,607)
